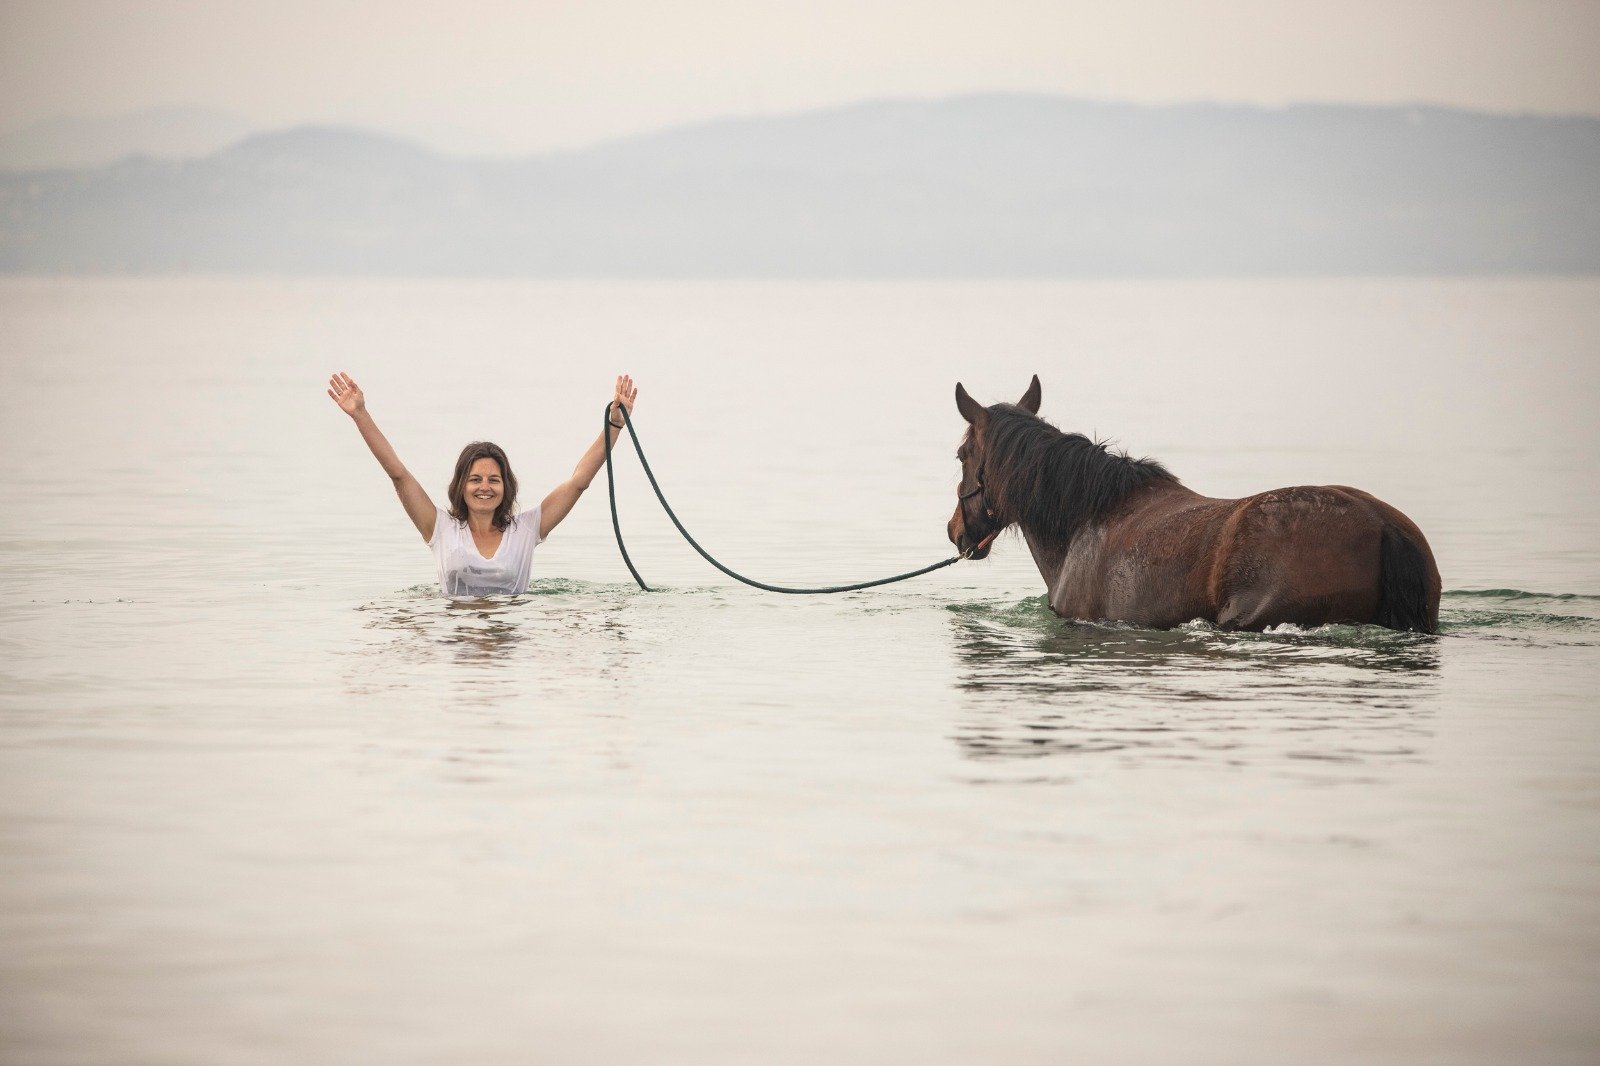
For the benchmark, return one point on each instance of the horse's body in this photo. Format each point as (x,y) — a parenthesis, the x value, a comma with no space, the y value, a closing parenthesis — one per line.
(1121,539)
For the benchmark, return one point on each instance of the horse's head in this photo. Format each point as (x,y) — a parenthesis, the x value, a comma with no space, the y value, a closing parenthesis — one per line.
(979,516)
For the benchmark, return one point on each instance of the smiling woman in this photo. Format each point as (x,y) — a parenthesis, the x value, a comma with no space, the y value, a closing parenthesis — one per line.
(482,545)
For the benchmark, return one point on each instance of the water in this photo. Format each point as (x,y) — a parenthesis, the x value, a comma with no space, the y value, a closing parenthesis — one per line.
(265,797)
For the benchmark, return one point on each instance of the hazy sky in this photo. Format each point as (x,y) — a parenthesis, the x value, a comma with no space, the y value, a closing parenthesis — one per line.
(500,76)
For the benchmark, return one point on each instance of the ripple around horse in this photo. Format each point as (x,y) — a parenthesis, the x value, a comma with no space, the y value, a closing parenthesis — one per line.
(1122,539)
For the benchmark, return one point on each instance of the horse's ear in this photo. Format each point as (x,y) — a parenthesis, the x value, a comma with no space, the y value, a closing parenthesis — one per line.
(1030,399)
(973,411)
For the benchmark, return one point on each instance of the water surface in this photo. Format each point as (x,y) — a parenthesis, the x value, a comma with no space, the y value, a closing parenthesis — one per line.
(266,796)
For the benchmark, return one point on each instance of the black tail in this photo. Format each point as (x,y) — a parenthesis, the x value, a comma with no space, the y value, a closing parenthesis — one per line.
(1405,600)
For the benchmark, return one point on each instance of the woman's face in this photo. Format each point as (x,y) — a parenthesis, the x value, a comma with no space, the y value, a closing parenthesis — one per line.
(484,487)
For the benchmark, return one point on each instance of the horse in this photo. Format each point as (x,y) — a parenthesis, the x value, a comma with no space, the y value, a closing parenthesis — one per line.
(1122,539)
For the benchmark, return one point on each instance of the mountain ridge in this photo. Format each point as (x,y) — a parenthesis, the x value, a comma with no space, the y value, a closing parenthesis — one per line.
(979,185)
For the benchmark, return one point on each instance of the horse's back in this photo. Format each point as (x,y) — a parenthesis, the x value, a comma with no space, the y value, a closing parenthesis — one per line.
(1316,554)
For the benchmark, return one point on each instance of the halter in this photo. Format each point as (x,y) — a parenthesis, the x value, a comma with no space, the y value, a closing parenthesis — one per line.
(979,491)
(988,512)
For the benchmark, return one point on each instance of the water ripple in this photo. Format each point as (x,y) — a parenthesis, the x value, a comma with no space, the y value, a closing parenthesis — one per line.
(1040,686)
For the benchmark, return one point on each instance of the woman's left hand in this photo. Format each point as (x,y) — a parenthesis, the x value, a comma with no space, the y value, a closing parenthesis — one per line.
(625,393)
(559,503)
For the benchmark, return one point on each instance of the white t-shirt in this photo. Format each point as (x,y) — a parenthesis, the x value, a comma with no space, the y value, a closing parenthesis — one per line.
(463,572)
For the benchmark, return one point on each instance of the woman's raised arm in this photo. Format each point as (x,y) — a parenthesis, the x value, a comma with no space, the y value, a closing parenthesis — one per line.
(353,402)
(559,503)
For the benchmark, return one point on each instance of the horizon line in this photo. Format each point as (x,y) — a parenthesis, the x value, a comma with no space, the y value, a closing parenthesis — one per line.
(400,134)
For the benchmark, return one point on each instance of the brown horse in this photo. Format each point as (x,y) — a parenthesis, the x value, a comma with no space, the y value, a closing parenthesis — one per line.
(1122,539)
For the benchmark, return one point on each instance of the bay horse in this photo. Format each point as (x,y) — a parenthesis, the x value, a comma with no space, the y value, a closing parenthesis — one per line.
(1122,539)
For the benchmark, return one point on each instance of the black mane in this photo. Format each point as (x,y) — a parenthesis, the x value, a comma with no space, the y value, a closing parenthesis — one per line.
(1055,483)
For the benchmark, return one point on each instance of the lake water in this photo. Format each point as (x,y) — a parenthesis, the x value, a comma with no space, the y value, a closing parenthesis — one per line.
(265,796)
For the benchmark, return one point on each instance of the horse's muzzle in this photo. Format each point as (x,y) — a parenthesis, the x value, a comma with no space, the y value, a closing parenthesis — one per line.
(979,550)
(969,548)
(959,530)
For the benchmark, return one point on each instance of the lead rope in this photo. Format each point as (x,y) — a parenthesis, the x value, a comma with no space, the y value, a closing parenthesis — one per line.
(611,491)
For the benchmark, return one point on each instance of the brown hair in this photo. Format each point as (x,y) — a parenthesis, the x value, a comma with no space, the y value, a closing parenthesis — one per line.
(482,449)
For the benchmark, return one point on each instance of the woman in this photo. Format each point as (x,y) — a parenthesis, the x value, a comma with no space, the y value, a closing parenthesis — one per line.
(482,547)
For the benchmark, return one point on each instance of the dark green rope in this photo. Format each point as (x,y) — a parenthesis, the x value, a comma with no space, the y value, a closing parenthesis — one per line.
(616,525)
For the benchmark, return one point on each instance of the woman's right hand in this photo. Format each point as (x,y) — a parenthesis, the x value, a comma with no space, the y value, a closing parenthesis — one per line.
(347,394)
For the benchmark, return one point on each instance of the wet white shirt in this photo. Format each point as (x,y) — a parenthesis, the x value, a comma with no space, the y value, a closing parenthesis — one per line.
(463,572)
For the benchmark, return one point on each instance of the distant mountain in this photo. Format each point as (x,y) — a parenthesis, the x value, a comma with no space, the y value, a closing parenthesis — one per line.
(161,133)
(993,185)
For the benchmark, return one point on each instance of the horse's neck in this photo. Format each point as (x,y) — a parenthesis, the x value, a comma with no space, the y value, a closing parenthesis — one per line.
(1052,554)
(1047,556)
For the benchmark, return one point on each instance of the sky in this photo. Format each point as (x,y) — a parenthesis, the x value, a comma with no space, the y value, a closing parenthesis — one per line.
(499,77)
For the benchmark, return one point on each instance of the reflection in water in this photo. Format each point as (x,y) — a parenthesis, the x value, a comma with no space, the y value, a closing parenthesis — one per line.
(477,630)
(1040,686)
(497,631)
(483,675)
(558,640)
